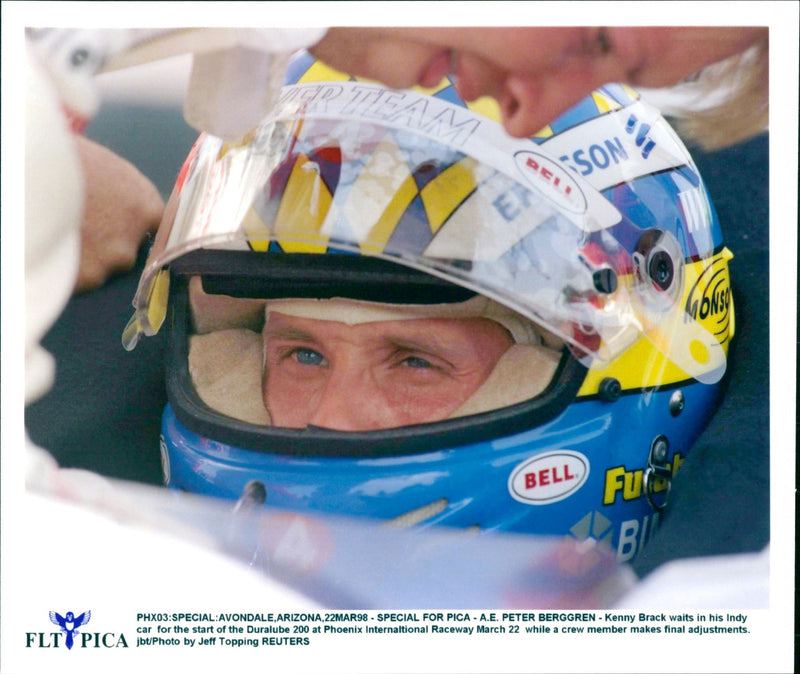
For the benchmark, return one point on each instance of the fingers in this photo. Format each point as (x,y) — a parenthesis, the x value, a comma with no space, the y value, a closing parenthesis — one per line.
(376,54)
(122,207)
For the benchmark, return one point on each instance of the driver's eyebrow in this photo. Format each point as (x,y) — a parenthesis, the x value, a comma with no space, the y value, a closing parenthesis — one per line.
(425,343)
(287,332)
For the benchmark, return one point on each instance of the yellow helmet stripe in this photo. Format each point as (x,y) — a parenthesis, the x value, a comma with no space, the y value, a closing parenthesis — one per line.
(604,103)
(442,195)
(385,225)
(320,72)
(303,209)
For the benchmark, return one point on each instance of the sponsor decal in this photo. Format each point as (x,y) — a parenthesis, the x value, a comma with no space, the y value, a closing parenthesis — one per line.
(617,147)
(72,634)
(630,535)
(430,116)
(593,526)
(695,210)
(628,485)
(549,477)
(547,175)
(300,544)
(634,534)
(608,152)
(709,299)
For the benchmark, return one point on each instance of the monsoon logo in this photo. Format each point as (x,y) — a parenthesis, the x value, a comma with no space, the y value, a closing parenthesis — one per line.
(71,633)
(709,300)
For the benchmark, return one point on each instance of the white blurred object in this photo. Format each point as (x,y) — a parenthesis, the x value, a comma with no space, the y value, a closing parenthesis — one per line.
(236,73)
(160,83)
(72,58)
(71,511)
(727,581)
(54,200)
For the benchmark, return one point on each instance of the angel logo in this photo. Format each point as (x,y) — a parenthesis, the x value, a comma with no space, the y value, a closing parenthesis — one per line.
(69,624)
(69,635)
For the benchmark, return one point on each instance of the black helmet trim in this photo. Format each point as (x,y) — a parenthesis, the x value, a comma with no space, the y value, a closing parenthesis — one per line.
(268,275)
(199,418)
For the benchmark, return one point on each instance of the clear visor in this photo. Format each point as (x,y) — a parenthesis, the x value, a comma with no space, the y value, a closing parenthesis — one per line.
(355,168)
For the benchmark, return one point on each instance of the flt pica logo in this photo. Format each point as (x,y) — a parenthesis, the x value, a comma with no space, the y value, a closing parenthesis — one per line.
(69,635)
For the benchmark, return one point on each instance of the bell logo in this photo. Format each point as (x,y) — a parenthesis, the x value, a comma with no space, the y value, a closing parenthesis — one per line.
(551,178)
(549,477)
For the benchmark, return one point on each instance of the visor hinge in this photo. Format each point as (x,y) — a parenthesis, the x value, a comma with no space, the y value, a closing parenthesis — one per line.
(657,477)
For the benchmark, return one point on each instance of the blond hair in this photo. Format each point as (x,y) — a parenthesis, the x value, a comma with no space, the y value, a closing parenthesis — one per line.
(727,102)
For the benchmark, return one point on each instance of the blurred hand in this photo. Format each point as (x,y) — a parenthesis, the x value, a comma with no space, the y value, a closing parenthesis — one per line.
(122,207)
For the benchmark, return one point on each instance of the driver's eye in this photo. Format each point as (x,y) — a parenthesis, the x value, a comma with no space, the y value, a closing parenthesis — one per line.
(308,357)
(416,362)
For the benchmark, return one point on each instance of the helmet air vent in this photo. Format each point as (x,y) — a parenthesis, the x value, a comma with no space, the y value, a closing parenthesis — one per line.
(414,517)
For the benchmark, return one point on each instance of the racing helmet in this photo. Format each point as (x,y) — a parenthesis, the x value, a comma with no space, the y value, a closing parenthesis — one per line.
(594,243)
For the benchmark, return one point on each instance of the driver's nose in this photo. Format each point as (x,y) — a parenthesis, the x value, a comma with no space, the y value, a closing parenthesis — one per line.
(350,401)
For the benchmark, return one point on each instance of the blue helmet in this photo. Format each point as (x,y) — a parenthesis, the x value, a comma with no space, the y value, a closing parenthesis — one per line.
(594,243)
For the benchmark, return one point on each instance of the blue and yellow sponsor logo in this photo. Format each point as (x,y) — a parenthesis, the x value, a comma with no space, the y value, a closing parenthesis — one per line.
(628,485)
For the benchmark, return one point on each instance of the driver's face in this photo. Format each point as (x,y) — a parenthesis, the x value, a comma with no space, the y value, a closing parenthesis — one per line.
(375,375)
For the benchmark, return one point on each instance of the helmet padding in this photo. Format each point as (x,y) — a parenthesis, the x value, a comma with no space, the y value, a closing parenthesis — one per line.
(355,312)
(226,367)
